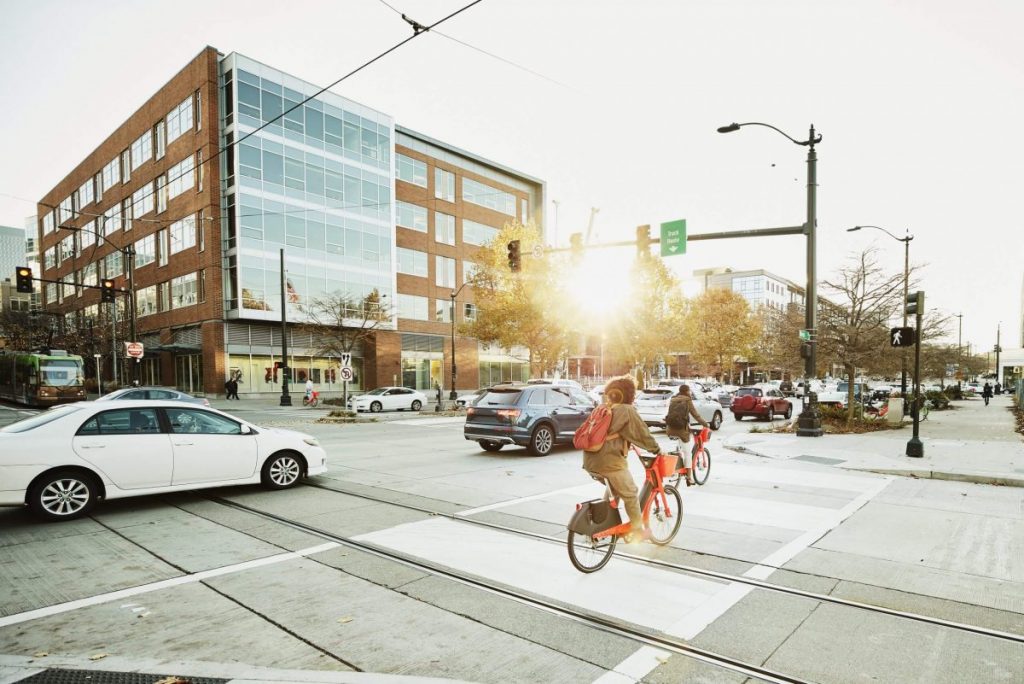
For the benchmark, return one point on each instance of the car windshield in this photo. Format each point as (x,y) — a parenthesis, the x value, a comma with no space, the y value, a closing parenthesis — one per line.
(60,372)
(500,397)
(379,390)
(40,419)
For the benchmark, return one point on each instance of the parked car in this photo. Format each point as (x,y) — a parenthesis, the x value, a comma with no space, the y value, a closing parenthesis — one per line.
(151,394)
(61,462)
(467,400)
(652,405)
(786,387)
(388,399)
(558,382)
(534,416)
(597,394)
(760,402)
(839,395)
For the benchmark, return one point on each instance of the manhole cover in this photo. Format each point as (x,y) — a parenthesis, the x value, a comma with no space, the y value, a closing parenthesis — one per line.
(61,676)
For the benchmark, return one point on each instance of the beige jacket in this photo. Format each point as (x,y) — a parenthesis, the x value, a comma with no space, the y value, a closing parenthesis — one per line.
(688,408)
(628,428)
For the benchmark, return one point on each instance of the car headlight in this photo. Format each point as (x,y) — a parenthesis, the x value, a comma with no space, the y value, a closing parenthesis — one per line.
(311,441)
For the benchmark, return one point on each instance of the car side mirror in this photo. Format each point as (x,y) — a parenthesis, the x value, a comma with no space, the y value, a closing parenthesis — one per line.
(245,429)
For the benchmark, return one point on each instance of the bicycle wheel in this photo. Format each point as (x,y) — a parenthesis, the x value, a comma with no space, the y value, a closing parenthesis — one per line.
(701,465)
(664,521)
(588,554)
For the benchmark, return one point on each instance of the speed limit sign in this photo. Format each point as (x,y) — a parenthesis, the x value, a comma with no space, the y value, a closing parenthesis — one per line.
(346,373)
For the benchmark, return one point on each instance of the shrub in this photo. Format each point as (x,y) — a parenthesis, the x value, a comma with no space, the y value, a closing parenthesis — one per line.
(954,393)
(937,399)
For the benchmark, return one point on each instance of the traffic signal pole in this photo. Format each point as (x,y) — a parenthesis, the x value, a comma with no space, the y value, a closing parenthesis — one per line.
(914,304)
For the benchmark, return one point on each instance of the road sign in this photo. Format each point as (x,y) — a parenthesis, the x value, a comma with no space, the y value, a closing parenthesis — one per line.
(902,337)
(134,350)
(347,374)
(673,238)
(346,360)
(805,335)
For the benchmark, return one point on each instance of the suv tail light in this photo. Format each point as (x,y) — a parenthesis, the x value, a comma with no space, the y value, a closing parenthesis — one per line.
(470,412)
(509,415)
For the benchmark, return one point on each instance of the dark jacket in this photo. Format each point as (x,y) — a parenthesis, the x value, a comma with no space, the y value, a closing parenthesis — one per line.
(986,391)
(684,405)
(631,429)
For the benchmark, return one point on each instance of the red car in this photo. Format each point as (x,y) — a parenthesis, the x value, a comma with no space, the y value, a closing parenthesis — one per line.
(764,403)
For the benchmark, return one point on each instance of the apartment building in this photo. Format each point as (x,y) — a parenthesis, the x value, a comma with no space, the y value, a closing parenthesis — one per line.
(204,186)
(759,287)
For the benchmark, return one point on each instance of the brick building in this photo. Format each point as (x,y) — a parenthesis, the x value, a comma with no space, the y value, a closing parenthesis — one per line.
(359,206)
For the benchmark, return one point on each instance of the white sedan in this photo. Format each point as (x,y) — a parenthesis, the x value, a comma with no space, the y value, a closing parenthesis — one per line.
(388,399)
(652,405)
(61,462)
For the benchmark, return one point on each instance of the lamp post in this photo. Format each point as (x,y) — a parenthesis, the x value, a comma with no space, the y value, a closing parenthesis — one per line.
(959,344)
(809,423)
(906,287)
(453,395)
(998,349)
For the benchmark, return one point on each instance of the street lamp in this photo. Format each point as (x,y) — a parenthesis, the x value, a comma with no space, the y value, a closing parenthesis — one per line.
(959,344)
(906,285)
(453,395)
(809,423)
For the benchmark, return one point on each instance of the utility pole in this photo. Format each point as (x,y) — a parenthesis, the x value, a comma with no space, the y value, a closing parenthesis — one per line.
(998,349)
(286,399)
(959,344)
(129,256)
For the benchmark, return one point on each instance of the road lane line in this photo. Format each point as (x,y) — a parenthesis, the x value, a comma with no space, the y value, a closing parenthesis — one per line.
(581,489)
(162,584)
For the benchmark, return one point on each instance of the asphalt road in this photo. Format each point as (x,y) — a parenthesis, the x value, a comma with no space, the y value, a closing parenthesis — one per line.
(189,577)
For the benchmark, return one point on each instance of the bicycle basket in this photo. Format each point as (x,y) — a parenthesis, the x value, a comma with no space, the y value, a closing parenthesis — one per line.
(665,464)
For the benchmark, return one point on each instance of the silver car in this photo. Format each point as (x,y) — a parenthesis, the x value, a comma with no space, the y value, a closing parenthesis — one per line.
(652,405)
(152,394)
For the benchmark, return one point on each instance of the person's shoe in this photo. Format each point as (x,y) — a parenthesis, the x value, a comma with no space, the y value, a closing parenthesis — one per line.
(637,536)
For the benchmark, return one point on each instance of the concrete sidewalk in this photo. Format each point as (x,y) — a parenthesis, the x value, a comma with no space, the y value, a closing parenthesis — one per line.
(970,443)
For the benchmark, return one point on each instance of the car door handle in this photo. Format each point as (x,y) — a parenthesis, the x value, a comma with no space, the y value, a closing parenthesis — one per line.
(94,446)
(184,443)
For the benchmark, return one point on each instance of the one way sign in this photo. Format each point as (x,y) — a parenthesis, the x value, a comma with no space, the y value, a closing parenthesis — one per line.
(901,337)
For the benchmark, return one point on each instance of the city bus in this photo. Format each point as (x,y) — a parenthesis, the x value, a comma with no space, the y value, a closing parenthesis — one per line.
(42,379)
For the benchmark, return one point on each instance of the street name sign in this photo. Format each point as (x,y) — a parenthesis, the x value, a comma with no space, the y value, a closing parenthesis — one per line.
(805,335)
(673,238)
(134,350)
(902,337)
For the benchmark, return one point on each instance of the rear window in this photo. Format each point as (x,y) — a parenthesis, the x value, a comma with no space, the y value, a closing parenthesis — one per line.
(745,391)
(500,397)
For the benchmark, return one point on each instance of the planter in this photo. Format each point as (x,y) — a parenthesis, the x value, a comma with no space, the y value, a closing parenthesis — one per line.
(895,414)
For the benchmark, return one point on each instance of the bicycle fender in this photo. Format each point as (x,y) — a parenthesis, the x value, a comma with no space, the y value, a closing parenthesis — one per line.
(593,517)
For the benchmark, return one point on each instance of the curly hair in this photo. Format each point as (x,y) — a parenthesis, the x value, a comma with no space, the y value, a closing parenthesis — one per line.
(620,390)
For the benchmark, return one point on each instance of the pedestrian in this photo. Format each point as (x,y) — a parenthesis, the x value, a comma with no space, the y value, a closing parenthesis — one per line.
(231,387)
(677,424)
(999,388)
(986,393)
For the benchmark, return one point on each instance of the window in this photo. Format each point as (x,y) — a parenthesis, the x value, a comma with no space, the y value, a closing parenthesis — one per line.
(111,174)
(183,234)
(412,262)
(199,110)
(113,265)
(85,194)
(442,311)
(469,312)
(142,149)
(179,120)
(87,236)
(89,275)
(66,249)
(412,307)
(183,291)
(47,223)
(477,233)
(486,196)
(159,140)
(163,251)
(163,296)
(161,194)
(97,182)
(411,216)
(126,213)
(126,165)
(65,211)
(445,272)
(468,270)
(195,421)
(142,201)
(181,177)
(444,228)
(145,301)
(49,258)
(145,251)
(444,185)
(122,422)
(51,293)
(201,285)
(411,170)
(112,220)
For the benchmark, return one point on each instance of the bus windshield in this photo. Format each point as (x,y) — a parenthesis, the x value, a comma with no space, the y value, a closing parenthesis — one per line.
(60,372)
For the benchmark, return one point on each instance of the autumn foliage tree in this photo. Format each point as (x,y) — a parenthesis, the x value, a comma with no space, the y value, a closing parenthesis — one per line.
(720,327)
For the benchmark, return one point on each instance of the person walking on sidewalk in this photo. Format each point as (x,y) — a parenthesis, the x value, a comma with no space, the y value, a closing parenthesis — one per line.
(986,393)
(999,388)
(231,388)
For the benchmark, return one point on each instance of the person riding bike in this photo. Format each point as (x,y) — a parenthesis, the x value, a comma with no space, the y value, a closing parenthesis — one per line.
(309,389)
(677,424)
(608,464)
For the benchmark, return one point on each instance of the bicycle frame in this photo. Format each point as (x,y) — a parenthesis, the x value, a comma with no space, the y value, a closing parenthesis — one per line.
(654,486)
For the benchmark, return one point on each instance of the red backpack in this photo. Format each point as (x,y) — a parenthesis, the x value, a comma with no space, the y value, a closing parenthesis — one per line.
(592,435)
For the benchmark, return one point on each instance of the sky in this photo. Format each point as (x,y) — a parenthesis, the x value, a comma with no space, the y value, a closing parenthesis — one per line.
(615,105)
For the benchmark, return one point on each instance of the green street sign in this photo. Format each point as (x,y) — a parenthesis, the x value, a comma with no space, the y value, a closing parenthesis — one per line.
(805,335)
(673,238)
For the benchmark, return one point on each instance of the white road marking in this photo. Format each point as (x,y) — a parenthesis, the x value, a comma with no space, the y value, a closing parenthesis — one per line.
(577,489)
(163,584)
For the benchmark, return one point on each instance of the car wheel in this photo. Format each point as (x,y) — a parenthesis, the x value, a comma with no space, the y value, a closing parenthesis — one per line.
(542,441)
(417,405)
(488,445)
(789,412)
(63,495)
(282,471)
(716,420)
(771,414)
(375,407)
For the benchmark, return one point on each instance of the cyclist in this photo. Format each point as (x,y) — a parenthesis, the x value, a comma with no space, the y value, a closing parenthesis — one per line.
(677,424)
(608,464)
(309,389)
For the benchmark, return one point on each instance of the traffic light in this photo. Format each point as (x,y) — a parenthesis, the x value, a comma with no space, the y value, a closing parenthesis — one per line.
(107,291)
(576,243)
(915,304)
(514,258)
(23,278)
(643,241)
(805,350)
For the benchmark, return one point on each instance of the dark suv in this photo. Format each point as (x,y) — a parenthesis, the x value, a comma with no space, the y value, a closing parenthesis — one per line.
(534,416)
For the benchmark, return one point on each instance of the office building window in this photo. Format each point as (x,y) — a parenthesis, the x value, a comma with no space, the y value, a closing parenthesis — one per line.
(66,249)
(201,285)
(469,311)
(468,270)
(163,252)
(65,210)
(179,120)
(444,275)
(181,177)
(444,228)
(412,262)
(199,110)
(474,233)
(49,258)
(111,174)
(161,193)
(85,194)
(142,201)
(486,196)
(48,223)
(87,236)
(183,291)
(163,296)
(142,149)
(126,213)
(413,307)
(159,140)
(126,165)
(411,216)
(145,301)
(145,251)
(444,185)
(183,234)
(89,275)
(443,311)
(411,170)
(113,265)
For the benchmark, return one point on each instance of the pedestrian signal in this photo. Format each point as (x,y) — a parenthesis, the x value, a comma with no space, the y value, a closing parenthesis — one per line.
(902,337)
(23,278)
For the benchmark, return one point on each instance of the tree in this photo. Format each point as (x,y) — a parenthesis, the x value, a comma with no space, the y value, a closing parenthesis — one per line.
(720,327)
(528,308)
(778,345)
(854,330)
